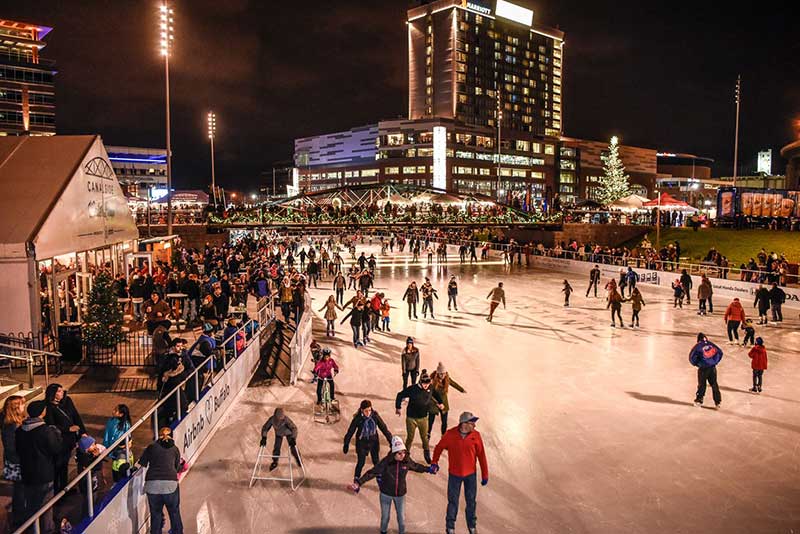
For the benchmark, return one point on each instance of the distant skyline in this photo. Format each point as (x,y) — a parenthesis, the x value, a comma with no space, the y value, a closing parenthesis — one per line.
(659,75)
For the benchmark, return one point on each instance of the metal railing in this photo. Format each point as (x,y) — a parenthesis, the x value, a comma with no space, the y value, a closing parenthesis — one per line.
(12,352)
(153,415)
(710,269)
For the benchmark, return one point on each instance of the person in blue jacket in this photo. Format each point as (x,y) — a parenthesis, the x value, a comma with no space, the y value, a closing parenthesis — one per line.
(705,355)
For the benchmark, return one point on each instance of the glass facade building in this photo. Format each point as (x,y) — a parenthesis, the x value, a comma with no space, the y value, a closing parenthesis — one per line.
(27,88)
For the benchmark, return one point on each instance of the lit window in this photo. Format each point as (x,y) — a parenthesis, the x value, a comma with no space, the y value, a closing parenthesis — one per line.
(549,150)
(395,139)
(409,170)
(536,148)
(367,173)
(392,170)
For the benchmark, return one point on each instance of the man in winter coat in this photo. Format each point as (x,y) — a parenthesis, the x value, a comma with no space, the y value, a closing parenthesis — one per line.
(762,302)
(284,428)
(411,296)
(452,293)
(686,282)
(777,297)
(428,292)
(163,461)
(705,356)
(156,310)
(391,473)
(38,444)
(464,447)
(419,400)
(703,295)
(734,317)
(758,362)
(594,279)
(366,424)
(409,362)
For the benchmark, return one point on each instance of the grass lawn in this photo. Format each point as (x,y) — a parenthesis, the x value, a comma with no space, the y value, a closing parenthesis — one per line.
(738,245)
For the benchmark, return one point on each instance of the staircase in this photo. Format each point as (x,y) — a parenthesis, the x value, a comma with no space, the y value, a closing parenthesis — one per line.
(6,390)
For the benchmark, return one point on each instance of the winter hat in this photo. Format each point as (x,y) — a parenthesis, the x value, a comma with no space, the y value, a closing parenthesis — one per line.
(701,337)
(440,368)
(36,408)
(759,341)
(409,340)
(85,442)
(467,417)
(397,444)
(366,403)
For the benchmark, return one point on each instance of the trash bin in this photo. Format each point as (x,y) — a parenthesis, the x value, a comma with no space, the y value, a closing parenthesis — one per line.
(70,341)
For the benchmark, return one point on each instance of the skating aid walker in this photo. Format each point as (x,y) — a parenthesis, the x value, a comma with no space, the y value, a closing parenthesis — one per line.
(262,455)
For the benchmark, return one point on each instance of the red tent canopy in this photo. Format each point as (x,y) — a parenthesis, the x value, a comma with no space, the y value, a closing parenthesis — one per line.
(667,201)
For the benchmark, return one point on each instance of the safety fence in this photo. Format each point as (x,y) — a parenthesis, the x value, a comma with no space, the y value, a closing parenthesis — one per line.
(30,358)
(215,382)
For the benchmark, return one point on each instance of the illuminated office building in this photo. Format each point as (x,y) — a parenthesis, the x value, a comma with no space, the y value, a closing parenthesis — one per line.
(27,89)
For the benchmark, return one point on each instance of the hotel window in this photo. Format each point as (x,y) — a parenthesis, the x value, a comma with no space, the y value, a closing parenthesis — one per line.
(486,172)
(523,146)
(465,155)
(462,99)
(464,139)
(409,170)
(392,170)
(537,175)
(536,148)
(350,174)
(461,67)
(424,152)
(505,172)
(567,164)
(411,153)
(549,150)
(421,169)
(518,173)
(394,139)
(566,177)
(461,78)
(484,142)
(426,137)
(368,173)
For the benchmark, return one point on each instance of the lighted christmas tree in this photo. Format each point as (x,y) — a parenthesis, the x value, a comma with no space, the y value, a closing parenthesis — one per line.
(103,321)
(614,185)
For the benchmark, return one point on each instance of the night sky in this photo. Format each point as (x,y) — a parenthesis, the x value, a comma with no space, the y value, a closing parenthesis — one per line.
(659,75)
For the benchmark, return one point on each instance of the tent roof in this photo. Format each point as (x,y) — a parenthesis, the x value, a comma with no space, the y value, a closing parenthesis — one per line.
(666,201)
(34,171)
(190,195)
(629,202)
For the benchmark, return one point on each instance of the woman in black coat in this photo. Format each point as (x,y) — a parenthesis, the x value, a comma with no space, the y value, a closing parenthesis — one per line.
(365,425)
(62,414)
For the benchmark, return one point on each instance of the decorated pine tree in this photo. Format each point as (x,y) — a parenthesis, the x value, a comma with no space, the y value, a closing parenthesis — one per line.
(102,327)
(614,185)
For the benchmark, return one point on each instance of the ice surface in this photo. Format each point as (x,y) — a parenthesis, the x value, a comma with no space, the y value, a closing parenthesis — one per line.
(588,429)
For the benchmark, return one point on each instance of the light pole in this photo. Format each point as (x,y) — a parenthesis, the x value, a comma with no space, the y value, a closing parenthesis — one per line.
(736,137)
(212,132)
(499,128)
(167,38)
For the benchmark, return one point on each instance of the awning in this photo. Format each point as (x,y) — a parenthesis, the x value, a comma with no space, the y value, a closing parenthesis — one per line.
(192,196)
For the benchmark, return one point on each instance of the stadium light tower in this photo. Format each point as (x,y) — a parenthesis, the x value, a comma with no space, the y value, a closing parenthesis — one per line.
(167,38)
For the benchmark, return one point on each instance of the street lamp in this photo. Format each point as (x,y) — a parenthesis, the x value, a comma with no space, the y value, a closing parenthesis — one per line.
(212,132)
(167,27)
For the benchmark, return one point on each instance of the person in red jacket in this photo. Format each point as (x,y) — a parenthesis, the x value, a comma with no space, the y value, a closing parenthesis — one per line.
(734,316)
(464,446)
(758,357)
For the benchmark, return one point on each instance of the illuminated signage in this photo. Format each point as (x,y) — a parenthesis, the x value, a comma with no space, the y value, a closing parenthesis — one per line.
(765,162)
(510,11)
(477,8)
(439,157)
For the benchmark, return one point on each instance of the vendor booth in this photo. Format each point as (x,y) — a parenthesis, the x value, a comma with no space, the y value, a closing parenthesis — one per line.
(63,216)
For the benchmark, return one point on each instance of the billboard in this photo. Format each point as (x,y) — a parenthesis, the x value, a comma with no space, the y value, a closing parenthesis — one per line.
(510,11)
(733,202)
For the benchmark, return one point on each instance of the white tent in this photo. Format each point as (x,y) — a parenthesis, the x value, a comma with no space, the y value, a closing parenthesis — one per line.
(629,203)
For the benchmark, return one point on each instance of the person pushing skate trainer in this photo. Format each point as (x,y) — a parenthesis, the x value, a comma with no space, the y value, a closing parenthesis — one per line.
(284,428)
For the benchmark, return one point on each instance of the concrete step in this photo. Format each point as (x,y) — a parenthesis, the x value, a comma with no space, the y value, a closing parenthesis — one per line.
(6,390)
(30,394)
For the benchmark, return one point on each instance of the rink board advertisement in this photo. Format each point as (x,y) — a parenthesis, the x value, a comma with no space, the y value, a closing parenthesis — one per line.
(127,512)
(723,289)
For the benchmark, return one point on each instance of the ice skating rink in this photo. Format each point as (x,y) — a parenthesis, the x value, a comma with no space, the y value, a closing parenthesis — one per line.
(587,428)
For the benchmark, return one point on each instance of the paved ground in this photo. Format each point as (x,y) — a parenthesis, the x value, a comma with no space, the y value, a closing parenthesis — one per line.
(589,429)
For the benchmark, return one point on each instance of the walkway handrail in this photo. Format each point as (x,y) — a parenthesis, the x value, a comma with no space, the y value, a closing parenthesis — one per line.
(34,520)
(29,358)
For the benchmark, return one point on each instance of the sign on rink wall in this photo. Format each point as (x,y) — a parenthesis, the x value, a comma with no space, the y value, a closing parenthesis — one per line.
(723,289)
(127,512)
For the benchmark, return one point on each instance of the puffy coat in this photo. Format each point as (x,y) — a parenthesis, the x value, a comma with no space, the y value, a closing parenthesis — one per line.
(325,368)
(705,354)
(735,312)
(704,290)
(391,474)
(758,357)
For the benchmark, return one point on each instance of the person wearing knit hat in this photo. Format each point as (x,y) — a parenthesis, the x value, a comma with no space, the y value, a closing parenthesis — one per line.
(758,362)
(88,451)
(391,473)
(440,383)
(420,397)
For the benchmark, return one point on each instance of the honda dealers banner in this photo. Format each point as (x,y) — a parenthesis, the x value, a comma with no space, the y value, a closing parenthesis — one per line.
(723,289)
(127,512)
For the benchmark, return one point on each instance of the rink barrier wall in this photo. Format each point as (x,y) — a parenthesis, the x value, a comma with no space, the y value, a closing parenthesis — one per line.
(127,511)
(722,288)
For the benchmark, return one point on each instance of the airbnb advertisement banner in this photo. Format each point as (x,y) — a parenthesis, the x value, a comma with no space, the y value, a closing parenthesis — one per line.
(723,289)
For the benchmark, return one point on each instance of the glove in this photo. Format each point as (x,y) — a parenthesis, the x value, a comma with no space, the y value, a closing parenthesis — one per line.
(346,448)
(263,442)
(433,469)
(484,481)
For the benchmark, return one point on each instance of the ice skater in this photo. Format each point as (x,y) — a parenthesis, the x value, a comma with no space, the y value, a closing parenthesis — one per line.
(758,362)
(464,448)
(428,292)
(637,303)
(677,294)
(594,280)
(615,303)
(391,473)
(385,319)
(496,296)
(409,362)
(411,296)
(734,317)
(366,424)
(705,355)
(749,332)
(441,382)
(420,396)
(330,315)
(452,292)
(567,292)
(284,428)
